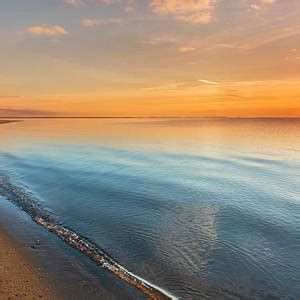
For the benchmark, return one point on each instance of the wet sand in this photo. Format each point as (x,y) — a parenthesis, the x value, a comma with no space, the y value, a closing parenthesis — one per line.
(18,277)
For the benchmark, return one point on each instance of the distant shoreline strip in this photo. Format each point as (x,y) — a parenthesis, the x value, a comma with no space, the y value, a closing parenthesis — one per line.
(8,121)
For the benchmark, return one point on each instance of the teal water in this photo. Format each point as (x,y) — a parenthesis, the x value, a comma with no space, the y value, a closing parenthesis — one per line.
(198,207)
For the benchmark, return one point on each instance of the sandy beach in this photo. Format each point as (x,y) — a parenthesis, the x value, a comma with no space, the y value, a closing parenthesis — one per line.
(19,279)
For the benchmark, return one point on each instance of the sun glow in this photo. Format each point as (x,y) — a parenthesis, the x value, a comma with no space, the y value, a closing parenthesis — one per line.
(156,58)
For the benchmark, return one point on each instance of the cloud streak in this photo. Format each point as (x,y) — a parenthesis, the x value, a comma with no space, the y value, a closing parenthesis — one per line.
(75,2)
(99,22)
(45,30)
(208,82)
(186,49)
(78,3)
(161,40)
(259,5)
(190,11)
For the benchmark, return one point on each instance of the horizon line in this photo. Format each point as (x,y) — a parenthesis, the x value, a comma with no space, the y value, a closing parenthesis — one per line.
(144,117)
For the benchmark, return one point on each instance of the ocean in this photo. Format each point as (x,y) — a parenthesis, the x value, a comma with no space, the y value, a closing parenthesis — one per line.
(196,208)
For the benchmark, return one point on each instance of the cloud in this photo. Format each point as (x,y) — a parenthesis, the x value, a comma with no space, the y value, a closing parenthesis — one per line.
(186,49)
(78,3)
(108,1)
(97,22)
(75,2)
(47,30)
(161,40)
(190,11)
(130,6)
(208,82)
(259,5)
(169,87)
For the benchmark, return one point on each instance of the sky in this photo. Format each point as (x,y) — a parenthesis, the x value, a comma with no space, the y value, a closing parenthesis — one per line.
(191,58)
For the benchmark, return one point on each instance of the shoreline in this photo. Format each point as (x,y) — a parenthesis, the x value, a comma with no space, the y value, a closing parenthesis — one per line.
(18,276)
(69,274)
(83,246)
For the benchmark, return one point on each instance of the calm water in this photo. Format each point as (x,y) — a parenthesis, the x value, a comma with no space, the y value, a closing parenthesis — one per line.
(197,207)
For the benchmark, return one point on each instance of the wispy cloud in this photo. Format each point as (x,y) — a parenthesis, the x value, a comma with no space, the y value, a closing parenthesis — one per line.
(98,22)
(186,49)
(75,2)
(78,3)
(259,5)
(128,5)
(190,11)
(169,87)
(46,30)
(161,40)
(204,81)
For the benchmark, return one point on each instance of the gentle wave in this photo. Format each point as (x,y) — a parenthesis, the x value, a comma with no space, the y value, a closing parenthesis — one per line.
(21,198)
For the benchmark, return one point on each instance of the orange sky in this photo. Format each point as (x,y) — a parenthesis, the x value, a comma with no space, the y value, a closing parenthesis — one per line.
(235,58)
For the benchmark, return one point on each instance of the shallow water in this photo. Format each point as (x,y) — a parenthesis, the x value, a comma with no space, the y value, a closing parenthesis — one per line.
(199,208)
(69,274)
